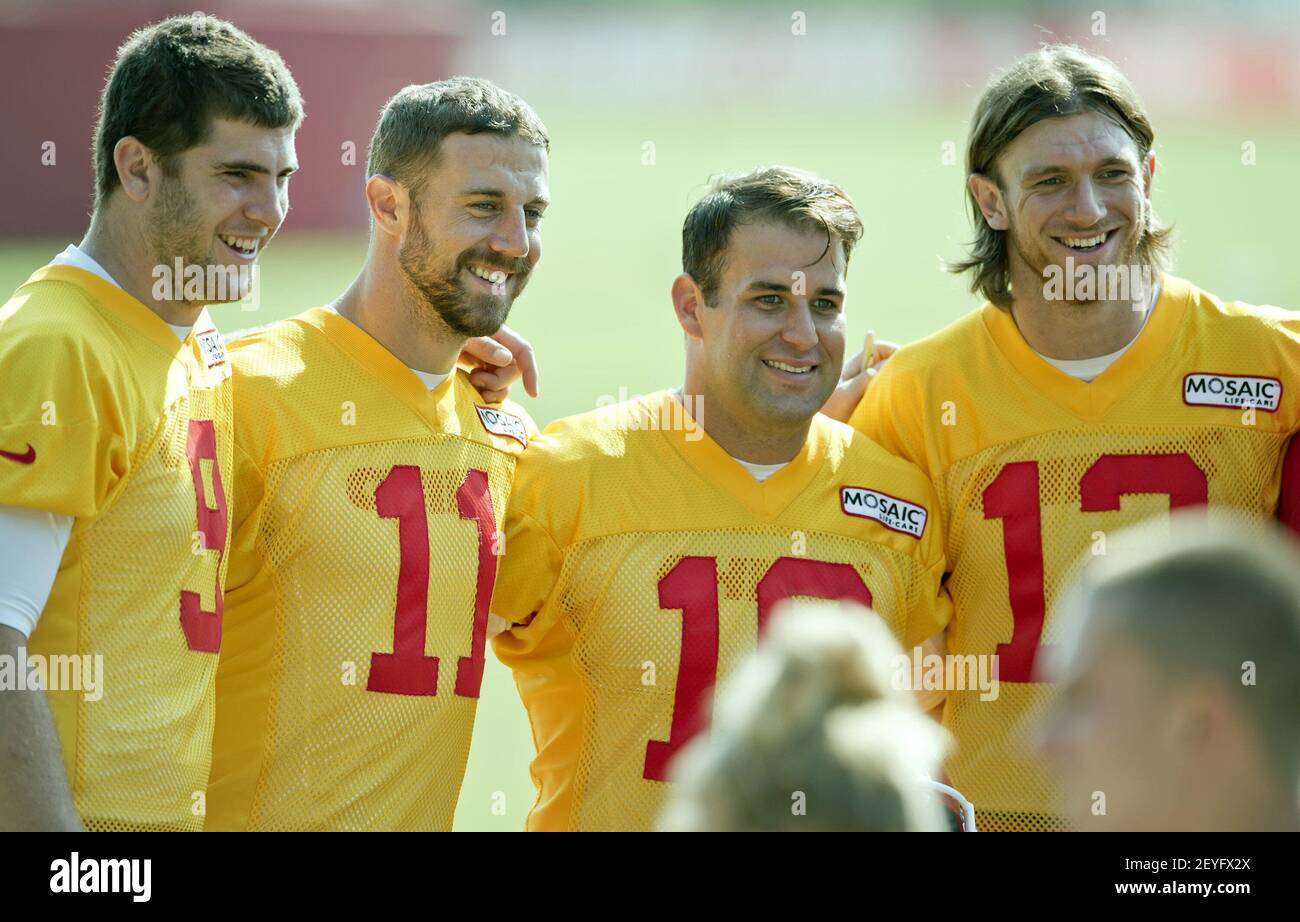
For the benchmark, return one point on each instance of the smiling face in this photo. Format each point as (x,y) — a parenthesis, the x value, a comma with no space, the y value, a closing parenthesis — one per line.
(1071,187)
(225,202)
(473,233)
(772,343)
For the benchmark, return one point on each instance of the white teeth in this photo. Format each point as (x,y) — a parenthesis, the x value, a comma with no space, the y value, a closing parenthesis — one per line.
(245,245)
(495,276)
(1083,242)
(771,363)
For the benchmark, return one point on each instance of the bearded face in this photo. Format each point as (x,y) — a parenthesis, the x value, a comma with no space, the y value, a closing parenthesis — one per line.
(473,231)
(471,291)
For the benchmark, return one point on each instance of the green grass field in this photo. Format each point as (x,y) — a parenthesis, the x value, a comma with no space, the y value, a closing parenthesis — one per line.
(597,309)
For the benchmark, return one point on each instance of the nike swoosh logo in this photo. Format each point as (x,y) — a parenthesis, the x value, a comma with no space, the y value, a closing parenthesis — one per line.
(26,457)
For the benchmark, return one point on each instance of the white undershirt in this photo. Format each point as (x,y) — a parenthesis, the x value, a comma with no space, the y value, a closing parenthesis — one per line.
(34,541)
(759,472)
(431,379)
(73,255)
(1087,370)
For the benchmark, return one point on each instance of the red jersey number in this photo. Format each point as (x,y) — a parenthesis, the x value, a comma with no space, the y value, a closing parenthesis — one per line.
(408,670)
(1013,497)
(691,586)
(203,628)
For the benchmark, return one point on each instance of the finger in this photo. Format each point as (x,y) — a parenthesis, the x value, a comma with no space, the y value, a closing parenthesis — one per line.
(486,349)
(851,391)
(493,378)
(884,349)
(523,355)
(510,339)
(845,398)
(527,362)
(853,367)
(494,396)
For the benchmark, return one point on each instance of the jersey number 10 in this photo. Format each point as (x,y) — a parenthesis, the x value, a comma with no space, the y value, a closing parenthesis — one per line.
(692,586)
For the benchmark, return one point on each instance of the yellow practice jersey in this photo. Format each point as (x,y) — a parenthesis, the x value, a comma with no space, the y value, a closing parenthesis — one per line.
(107,417)
(1035,469)
(364,550)
(1288,504)
(641,564)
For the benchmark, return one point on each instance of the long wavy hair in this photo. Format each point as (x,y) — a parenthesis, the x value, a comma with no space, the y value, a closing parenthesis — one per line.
(1056,81)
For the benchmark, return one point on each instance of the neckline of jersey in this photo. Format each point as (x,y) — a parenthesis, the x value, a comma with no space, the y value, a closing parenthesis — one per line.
(435,406)
(1090,399)
(137,315)
(767,499)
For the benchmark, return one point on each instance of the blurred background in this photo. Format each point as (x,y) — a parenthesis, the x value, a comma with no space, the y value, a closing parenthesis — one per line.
(644,102)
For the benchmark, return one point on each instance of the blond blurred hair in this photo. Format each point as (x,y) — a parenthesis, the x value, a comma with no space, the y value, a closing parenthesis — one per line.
(810,734)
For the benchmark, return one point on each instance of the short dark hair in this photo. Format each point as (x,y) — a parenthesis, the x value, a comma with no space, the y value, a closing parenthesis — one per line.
(773,193)
(1205,601)
(415,121)
(1054,82)
(173,78)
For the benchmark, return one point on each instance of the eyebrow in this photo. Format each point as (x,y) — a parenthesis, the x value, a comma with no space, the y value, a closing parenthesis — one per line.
(1036,171)
(248,166)
(497,194)
(778,286)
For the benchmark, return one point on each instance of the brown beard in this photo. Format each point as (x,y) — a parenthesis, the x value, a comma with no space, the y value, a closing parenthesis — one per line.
(464,312)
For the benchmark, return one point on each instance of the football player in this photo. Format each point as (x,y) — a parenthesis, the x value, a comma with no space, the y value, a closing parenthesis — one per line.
(115,438)
(1179,671)
(371,483)
(648,542)
(1091,391)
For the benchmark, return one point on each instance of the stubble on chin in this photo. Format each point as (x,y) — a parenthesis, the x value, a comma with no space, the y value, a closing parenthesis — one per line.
(172,233)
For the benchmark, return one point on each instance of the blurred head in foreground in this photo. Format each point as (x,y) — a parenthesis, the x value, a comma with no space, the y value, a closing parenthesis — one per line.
(808,735)
(1180,680)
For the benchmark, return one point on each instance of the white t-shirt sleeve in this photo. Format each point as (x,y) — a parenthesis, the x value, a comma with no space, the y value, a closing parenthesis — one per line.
(33,542)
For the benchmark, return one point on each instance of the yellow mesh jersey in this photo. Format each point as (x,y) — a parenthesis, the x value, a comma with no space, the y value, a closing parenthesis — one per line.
(1288,504)
(1034,469)
(365,529)
(641,564)
(129,431)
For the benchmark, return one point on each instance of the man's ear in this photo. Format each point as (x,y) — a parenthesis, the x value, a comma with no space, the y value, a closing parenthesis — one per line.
(984,189)
(388,203)
(1149,175)
(137,169)
(688,301)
